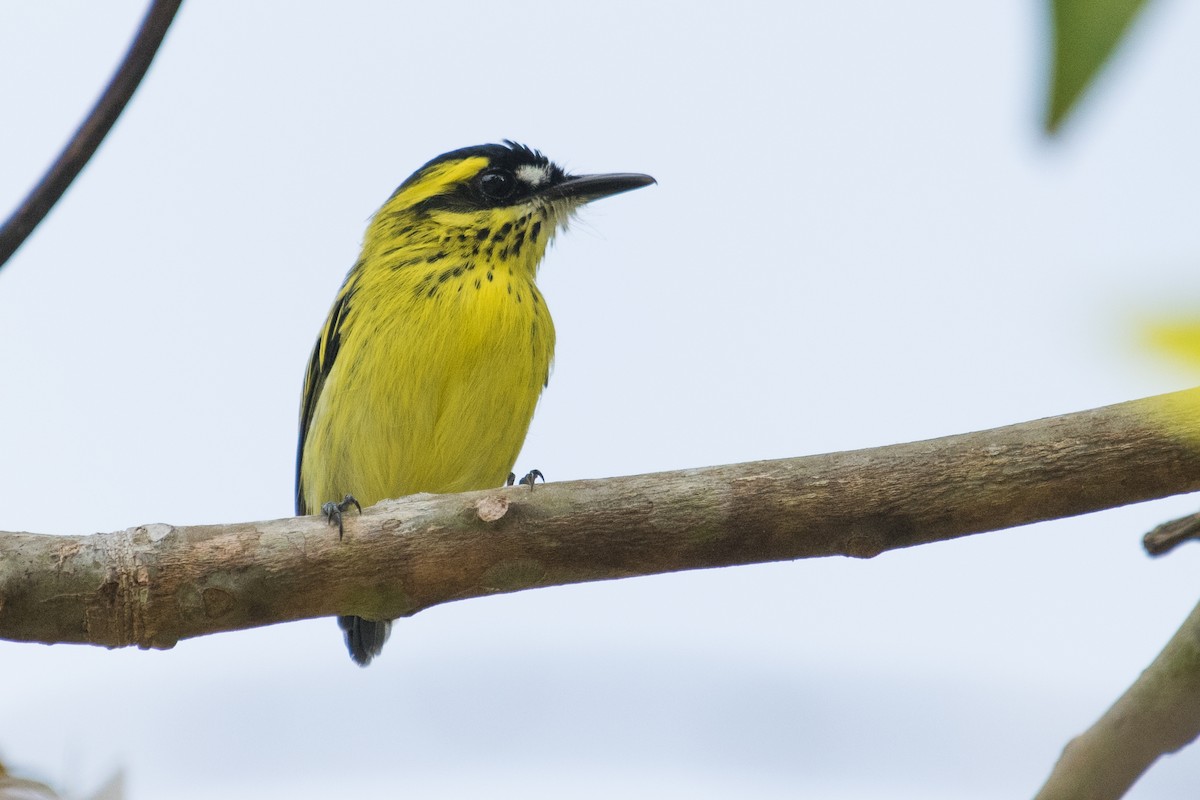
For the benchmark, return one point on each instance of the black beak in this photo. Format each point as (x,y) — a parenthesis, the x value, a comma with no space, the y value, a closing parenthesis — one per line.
(586,188)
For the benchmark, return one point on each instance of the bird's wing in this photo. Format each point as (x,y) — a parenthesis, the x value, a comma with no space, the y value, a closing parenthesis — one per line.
(319,364)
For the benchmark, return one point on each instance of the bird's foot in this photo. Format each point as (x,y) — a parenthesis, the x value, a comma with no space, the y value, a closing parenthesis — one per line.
(333,511)
(528,480)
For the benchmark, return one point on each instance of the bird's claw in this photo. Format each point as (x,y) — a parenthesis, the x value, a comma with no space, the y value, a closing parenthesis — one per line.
(333,511)
(530,478)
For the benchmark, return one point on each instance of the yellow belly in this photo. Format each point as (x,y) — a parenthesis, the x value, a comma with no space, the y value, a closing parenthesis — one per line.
(435,399)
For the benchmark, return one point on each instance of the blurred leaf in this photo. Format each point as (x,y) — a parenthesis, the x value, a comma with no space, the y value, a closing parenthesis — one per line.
(1178,338)
(1086,33)
(20,789)
(113,789)
(14,788)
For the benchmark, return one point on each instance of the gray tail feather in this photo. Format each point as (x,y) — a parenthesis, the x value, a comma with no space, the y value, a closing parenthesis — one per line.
(364,637)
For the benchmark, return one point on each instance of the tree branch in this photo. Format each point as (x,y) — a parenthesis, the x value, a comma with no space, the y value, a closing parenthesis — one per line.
(91,132)
(155,584)
(1158,714)
(1169,535)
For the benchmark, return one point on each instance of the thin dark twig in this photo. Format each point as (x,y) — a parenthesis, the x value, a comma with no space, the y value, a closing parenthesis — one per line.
(95,127)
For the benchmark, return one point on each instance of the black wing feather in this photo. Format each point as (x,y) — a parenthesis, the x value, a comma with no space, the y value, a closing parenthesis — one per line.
(319,365)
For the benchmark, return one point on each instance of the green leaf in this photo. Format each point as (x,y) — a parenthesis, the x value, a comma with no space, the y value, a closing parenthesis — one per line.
(1086,32)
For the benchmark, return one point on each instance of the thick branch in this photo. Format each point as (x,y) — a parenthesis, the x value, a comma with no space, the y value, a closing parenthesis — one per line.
(1158,714)
(155,584)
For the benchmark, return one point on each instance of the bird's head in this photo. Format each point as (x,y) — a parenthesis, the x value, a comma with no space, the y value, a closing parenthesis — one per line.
(512,192)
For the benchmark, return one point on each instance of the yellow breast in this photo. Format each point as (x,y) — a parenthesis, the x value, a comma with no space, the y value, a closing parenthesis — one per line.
(439,365)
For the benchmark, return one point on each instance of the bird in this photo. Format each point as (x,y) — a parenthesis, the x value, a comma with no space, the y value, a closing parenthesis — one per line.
(425,375)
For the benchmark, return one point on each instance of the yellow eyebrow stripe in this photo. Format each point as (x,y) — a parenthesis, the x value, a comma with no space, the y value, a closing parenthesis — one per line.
(436,180)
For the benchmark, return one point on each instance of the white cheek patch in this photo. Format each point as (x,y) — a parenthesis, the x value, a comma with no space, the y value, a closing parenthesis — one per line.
(533,175)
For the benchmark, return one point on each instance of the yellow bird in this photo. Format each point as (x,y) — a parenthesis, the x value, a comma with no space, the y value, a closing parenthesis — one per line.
(428,368)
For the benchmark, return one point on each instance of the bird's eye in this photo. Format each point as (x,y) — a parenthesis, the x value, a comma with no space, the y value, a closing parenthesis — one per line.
(497,184)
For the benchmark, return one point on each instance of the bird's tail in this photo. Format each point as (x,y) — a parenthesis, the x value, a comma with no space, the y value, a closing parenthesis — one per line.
(364,637)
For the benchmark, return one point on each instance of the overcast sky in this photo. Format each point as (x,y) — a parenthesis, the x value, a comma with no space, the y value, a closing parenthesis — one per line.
(859,237)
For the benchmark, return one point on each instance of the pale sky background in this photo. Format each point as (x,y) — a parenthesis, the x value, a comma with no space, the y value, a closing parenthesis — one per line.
(859,237)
